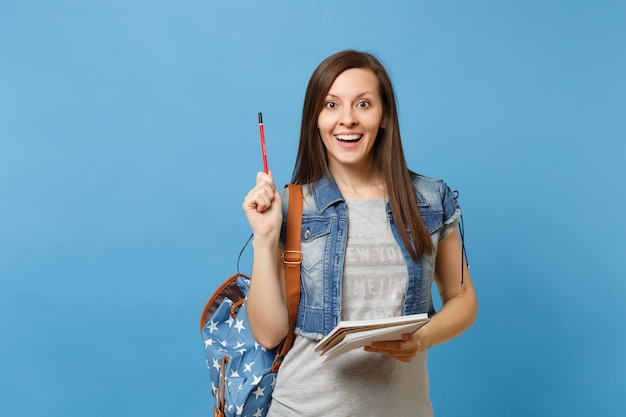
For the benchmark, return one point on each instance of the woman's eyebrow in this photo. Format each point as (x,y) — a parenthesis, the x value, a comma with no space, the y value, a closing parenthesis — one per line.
(364,93)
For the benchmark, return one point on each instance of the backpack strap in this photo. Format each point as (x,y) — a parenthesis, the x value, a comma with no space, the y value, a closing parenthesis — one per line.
(292,258)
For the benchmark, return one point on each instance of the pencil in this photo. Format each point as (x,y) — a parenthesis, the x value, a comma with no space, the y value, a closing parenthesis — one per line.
(264,153)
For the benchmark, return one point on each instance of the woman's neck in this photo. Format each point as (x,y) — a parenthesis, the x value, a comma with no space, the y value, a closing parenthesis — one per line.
(359,184)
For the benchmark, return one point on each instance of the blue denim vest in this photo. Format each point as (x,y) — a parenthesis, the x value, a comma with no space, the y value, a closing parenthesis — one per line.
(324,238)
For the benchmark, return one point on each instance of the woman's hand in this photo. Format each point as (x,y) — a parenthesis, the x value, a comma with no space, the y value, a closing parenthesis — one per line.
(403,350)
(263,208)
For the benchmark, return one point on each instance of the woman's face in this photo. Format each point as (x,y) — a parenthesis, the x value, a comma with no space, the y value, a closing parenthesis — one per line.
(351,117)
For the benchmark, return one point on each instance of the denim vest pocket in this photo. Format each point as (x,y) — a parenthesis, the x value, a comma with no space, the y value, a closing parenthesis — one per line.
(313,242)
(433,220)
(315,235)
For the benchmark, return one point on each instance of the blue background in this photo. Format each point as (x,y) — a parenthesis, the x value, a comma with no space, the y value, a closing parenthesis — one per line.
(129,139)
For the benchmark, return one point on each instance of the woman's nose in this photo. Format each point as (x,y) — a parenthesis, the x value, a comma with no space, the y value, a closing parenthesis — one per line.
(347,116)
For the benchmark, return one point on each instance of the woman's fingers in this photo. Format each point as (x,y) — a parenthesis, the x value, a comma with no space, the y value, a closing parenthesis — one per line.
(260,197)
(403,350)
(263,208)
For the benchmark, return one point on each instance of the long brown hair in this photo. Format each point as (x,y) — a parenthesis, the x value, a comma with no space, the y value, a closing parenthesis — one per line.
(312,160)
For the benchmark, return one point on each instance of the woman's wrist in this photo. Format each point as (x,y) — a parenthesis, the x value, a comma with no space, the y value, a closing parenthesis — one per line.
(265,244)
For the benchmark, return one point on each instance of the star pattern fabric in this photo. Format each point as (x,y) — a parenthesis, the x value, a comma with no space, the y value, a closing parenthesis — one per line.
(249,381)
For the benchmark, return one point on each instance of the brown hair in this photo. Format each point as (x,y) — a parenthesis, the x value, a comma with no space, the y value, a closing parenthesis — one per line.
(312,161)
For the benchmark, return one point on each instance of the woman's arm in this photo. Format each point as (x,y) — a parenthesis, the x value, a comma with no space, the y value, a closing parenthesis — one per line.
(266,305)
(457,313)
(460,305)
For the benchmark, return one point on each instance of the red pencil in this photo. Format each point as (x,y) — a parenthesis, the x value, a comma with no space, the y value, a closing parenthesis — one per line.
(262,132)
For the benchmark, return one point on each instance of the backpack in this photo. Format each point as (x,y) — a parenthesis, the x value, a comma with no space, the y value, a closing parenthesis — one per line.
(242,372)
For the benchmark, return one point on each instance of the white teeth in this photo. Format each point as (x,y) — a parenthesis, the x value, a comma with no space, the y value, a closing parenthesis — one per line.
(348,138)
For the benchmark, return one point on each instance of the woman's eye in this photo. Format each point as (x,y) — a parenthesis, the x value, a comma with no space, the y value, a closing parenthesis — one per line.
(330,105)
(363,104)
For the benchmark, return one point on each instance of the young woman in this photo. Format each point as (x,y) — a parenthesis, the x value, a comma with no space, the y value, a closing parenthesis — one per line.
(374,238)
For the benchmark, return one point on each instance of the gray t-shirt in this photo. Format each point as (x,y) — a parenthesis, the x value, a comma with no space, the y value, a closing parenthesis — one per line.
(358,383)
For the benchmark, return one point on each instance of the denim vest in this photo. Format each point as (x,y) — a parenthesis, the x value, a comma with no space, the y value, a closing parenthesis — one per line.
(324,238)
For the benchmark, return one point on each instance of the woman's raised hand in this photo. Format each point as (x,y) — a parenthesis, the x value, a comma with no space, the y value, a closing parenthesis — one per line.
(263,208)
